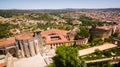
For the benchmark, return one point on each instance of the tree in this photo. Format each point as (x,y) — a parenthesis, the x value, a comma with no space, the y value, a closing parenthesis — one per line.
(69,21)
(66,56)
(84,32)
(98,52)
(116,34)
(96,41)
(5,29)
(86,21)
(108,40)
(83,64)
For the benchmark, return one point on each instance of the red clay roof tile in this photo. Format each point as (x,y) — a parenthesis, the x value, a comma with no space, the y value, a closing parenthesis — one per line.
(3,64)
(52,33)
(24,36)
(7,41)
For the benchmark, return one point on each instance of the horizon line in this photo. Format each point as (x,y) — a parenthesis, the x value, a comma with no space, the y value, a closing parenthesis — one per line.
(53,8)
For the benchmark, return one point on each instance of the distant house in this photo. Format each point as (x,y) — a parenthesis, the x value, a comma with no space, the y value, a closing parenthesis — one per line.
(76,22)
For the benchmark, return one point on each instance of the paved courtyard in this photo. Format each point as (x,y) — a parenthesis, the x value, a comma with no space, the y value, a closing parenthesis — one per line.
(92,49)
(36,61)
(40,60)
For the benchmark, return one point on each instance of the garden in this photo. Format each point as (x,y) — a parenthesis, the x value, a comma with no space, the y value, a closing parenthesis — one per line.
(98,54)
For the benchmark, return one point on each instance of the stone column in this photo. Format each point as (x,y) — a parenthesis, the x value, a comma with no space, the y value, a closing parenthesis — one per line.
(32,48)
(27,52)
(36,46)
(22,49)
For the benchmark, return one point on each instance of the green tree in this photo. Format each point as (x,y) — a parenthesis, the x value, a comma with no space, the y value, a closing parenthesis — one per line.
(83,64)
(98,52)
(96,41)
(84,32)
(108,40)
(5,29)
(116,34)
(66,56)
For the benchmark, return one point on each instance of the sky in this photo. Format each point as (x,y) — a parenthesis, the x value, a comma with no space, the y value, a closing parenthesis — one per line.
(58,4)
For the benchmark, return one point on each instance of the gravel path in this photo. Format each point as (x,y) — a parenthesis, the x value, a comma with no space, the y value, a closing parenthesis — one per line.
(92,49)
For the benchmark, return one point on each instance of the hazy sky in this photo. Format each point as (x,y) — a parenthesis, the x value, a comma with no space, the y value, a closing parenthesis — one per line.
(58,4)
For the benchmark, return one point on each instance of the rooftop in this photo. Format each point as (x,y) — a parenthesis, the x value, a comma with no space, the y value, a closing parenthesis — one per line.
(54,31)
(3,64)
(55,39)
(7,41)
(54,36)
(24,36)
(11,40)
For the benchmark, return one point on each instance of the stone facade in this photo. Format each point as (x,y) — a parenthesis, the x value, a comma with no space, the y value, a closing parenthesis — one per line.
(54,38)
(30,44)
(100,32)
(29,47)
(24,47)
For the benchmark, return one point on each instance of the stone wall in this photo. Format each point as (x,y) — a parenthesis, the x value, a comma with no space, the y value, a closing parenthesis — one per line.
(29,47)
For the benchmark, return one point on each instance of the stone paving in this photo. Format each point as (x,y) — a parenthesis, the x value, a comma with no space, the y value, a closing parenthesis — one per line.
(48,56)
(40,60)
(36,61)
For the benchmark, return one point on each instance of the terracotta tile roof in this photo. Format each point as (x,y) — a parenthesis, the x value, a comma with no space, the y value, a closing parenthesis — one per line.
(48,34)
(7,41)
(3,64)
(54,31)
(24,36)
(61,40)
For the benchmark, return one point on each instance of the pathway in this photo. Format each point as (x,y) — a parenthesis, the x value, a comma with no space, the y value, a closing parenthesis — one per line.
(104,59)
(92,49)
